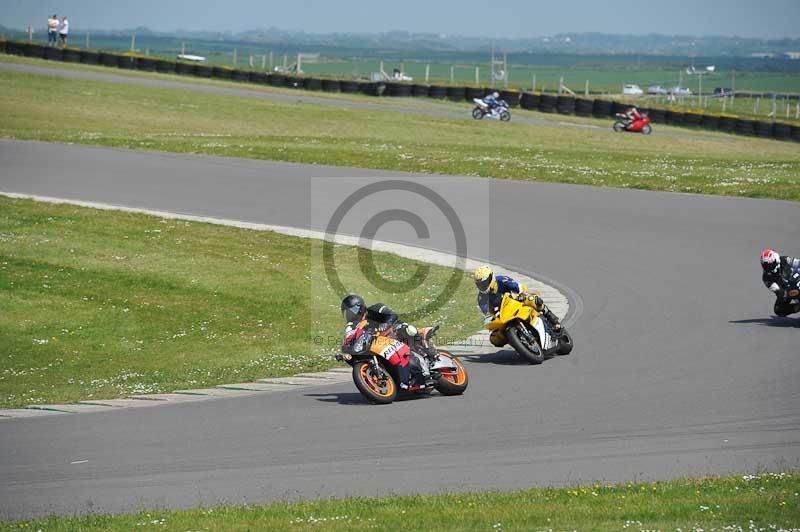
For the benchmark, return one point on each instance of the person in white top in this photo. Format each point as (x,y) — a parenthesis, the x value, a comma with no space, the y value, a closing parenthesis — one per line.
(52,30)
(63,30)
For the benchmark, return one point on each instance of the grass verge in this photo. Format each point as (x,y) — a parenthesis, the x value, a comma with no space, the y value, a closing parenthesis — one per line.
(753,503)
(102,304)
(672,159)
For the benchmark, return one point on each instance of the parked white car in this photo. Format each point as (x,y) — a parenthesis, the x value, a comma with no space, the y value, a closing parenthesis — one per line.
(656,89)
(632,90)
(680,91)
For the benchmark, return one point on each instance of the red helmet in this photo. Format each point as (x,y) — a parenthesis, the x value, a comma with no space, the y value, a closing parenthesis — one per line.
(770,260)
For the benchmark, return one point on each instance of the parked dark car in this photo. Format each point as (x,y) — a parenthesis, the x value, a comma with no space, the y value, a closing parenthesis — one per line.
(722,91)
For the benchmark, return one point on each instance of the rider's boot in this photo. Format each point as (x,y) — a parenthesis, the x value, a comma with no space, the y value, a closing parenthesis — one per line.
(553,319)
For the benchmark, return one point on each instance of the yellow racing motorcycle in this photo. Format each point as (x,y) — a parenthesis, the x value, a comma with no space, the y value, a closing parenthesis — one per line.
(530,334)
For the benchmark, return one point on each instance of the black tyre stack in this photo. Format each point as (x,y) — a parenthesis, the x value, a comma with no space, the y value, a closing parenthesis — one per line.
(709,122)
(782,131)
(147,64)
(108,59)
(530,100)
(203,71)
(618,107)
(565,105)
(692,119)
(601,109)
(221,72)
(420,91)
(727,124)
(765,129)
(658,116)
(547,103)
(331,85)
(674,118)
(583,106)
(259,78)
(13,48)
(184,68)
(350,87)
(34,50)
(165,67)
(473,92)
(277,80)
(796,133)
(312,84)
(127,62)
(292,82)
(746,127)
(54,54)
(511,97)
(240,75)
(456,94)
(437,91)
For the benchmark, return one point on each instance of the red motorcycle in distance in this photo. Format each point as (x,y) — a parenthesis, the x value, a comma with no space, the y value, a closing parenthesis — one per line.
(639,125)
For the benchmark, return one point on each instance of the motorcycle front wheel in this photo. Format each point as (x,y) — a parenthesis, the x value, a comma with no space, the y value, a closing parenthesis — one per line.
(452,381)
(525,344)
(376,386)
(619,127)
(646,130)
(477,113)
(505,116)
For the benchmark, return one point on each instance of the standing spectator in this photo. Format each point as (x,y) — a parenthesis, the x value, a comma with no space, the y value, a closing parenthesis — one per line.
(52,30)
(63,31)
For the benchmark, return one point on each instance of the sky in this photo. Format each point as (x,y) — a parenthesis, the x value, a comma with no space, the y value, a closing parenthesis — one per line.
(769,19)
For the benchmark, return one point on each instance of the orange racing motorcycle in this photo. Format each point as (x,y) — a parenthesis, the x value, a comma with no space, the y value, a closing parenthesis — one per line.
(379,381)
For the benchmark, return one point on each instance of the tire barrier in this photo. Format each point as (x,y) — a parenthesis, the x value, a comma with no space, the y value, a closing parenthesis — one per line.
(34,50)
(601,109)
(71,55)
(221,72)
(674,118)
(203,71)
(54,54)
(312,84)
(583,106)
(456,93)
(472,93)
(240,75)
(350,87)
(165,67)
(420,91)
(727,124)
(709,122)
(530,100)
(109,60)
(565,105)
(147,64)
(765,129)
(437,91)
(511,98)
(745,127)
(692,119)
(658,116)
(185,68)
(331,85)
(547,103)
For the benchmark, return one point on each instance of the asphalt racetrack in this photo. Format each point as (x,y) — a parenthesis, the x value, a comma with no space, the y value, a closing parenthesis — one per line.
(679,368)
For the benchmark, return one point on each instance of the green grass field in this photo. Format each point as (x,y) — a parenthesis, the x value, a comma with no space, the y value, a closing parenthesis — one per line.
(102,304)
(749,503)
(125,116)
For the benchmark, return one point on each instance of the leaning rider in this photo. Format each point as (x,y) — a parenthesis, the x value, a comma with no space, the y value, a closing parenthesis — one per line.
(632,115)
(491,289)
(493,101)
(364,323)
(778,271)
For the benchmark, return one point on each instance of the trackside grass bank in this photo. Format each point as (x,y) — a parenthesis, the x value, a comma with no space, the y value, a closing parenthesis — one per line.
(749,503)
(672,159)
(102,304)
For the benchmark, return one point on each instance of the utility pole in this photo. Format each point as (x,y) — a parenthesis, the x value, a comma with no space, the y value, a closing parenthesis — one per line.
(477,75)
(183,48)
(87,40)
(235,52)
(133,42)
(505,68)
(30,33)
(427,72)
(452,73)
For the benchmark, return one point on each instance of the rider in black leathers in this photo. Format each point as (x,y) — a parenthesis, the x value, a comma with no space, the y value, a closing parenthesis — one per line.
(781,274)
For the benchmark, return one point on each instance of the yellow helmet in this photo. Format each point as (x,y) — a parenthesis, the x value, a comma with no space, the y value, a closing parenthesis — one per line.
(484,280)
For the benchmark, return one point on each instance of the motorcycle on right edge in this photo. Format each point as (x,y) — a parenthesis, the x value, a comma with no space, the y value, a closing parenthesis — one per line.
(641,125)
(529,333)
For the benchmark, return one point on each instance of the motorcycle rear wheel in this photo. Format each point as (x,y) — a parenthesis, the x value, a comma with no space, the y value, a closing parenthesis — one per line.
(477,113)
(452,382)
(619,127)
(378,388)
(505,116)
(530,351)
